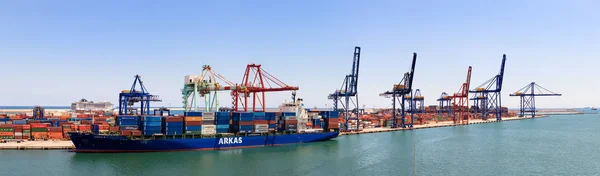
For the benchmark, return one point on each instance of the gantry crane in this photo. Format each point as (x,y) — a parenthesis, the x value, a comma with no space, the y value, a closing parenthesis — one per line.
(130,97)
(206,85)
(460,102)
(528,94)
(398,93)
(347,95)
(487,98)
(256,82)
(444,106)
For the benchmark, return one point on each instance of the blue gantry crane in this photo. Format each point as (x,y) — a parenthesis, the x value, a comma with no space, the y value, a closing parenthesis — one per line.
(487,98)
(347,95)
(129,97)
(528,94)
(400,92)
(444,104)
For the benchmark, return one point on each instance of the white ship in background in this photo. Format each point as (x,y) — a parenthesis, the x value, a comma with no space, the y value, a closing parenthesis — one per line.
(84,105)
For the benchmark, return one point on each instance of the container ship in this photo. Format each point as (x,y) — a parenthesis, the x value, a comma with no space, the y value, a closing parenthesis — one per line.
(292,124)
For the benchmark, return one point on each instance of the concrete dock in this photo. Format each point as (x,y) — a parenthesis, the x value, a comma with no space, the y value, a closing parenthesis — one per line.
(66,145)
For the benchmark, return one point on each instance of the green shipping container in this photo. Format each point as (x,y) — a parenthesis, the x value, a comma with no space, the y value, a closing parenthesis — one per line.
(39,130)
(26,131)
(7,129)
(7,137)
(193,132)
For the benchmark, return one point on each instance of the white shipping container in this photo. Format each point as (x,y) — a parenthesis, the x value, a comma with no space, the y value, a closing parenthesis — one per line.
(208,117)
(18,133)
(209,127)
(208,131)
(261,126)
(261,131)
(208,114)
(291,118)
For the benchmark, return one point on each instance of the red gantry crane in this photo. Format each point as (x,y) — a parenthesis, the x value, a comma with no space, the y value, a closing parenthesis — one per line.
(256,82)
(460,102)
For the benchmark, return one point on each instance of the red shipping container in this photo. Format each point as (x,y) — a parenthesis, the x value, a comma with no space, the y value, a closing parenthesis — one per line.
(84,128)
(126,132)
(174,119)
(99,119)
(39,135)
(256,122)
(101,123)
(245,123)
(136,133)
(54,129)
(7,126)
(335,120)
(103,127)
(272,122)
(317,126)
(193,123)
(7,134)
(88,122)
(39,125)
(291,122)
(26,127)
(55,135)
(113,129)
(83,115)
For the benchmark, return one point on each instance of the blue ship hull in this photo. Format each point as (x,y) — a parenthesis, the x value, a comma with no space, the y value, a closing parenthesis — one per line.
(110,144)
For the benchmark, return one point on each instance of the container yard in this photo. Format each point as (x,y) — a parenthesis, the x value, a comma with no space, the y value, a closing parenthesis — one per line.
(248,119)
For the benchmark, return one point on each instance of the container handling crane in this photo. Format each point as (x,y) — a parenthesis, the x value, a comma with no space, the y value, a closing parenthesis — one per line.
(486,97)
(206,85)
(348,93)
(528,94)
(444,106)
(460,102)
(130,97)
(256,82)
(398,93)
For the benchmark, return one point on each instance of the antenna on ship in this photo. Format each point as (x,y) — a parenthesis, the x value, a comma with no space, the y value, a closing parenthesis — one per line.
(294,97)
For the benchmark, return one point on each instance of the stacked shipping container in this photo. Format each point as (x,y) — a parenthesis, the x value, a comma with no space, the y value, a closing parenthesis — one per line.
(243,122)
(173,125)
(7,131)
(208,123)
(193,123)
(222,120)
(151,125)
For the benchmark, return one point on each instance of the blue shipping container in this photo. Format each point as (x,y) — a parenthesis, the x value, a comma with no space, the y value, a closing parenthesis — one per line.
(222,118)
(4,119)
(153,128)
(126,123)
(243,118)
(192,113)
(193,128)
(222,130)
(128,118)
(171,128)
(242,114)
(222,114)
(334,114)
(259,114)
(173,124)
(324,114)
(152,123)
(152,118)
(149,133)
(272,125)
(222,126)
(289,113)
(222,122)
(260,118)
(20,122)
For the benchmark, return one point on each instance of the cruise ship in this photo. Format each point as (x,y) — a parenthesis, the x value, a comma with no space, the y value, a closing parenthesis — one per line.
(85,105)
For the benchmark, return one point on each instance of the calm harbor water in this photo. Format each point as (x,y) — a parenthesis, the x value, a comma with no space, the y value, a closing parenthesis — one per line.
(557,145)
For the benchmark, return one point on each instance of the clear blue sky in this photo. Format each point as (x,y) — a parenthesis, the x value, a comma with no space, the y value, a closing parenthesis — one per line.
(56,52)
